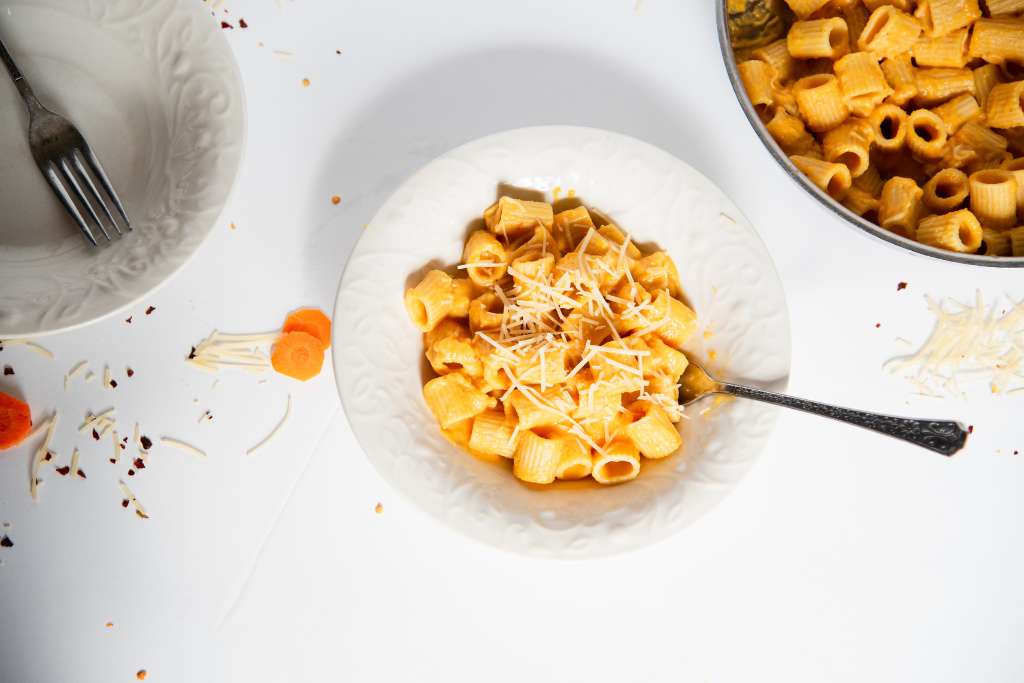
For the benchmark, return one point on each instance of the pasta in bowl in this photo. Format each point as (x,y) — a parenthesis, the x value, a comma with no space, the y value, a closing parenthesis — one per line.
(906,117)
(407,317)
(561,350)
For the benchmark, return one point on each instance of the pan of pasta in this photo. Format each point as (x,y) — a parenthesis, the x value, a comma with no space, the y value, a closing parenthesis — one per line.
(512,334)
(905,117)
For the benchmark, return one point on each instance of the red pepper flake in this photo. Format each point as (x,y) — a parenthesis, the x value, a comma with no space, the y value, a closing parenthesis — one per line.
(131,473)
(129,372)
(1016,452)
(141,674)
(901,286)
(970,429)
(146,443)
(335,200)
(113,461)
(225,24)
(192,353)
(124,503)
(139,464)
(81,473)
(877,325)
(48,457)
(128,320)
(113,384)
(6,542)
(63,471)
(337,52)
(8,370)
(149,311)
(95,435)
(242,23)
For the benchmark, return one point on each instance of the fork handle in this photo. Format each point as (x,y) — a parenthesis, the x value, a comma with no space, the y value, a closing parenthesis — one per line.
(942,436)
(19,79)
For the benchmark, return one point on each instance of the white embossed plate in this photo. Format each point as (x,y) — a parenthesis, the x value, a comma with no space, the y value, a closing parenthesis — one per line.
(726,274)
(155,89)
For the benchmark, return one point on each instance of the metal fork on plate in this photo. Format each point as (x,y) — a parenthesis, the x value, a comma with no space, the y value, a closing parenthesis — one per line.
(66,160)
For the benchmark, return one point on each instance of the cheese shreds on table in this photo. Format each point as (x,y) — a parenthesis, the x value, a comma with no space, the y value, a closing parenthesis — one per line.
(240,351)
(182,446)
(30,345)
(117,445)
(273,433)
(92,421)
(37,459)
(74,463)
(130,497)
(74,372)
(968,343)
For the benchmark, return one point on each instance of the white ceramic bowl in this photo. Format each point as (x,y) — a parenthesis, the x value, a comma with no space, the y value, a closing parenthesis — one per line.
(153,86)
(726,274)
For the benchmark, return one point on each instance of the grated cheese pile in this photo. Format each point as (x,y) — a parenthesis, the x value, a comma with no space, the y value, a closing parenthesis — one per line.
(241,351)
(968,344)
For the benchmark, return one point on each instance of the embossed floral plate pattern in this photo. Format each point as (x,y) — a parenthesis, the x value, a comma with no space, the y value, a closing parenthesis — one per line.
(726,273)
(155,89)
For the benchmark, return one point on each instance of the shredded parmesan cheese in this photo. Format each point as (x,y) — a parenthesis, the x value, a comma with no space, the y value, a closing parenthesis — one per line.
(37,460)
(139,510)
(272,434)
(74,463)
(28,344)
(967,344)
(240,351)
(182,446)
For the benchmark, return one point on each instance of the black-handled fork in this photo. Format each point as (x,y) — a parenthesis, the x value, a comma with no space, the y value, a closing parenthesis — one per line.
(67,162)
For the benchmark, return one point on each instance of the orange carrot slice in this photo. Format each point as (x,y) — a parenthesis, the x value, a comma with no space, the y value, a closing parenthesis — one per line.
(298,355)
(312,321)
(15,421)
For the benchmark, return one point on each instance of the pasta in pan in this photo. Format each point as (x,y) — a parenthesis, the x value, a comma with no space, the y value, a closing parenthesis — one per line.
(923,98)
(564,356)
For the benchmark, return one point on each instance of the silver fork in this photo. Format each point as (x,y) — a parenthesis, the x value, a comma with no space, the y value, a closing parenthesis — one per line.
(65,160)
(942,436)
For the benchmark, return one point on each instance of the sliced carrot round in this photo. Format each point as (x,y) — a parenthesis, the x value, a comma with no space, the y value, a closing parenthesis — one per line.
(298,355)
(15,421)
(312,321)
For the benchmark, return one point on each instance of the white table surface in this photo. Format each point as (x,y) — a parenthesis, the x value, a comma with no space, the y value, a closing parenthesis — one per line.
(844,556)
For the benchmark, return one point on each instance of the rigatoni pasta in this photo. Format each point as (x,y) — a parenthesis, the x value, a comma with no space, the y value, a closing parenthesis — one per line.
(908,112)
(562,350)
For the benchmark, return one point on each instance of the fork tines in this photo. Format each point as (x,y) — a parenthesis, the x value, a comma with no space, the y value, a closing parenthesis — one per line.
(71,177)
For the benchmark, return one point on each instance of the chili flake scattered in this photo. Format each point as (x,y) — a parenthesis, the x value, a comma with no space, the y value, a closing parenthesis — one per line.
(225,24)
(113,384)
(8,370)
(131,473)
(95,435)
(242,23)
(129,372)
(970,429)
(877,325)
(146,443)
(128,320)
(139,464)
(63,471)
(901,286)
(81,473)
(6,542)
(124,503)
(149,311)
